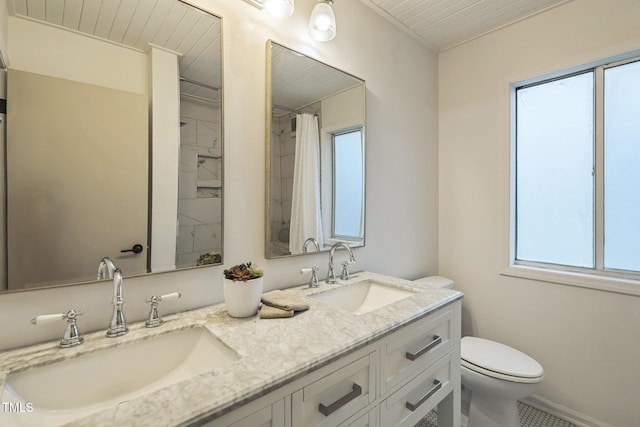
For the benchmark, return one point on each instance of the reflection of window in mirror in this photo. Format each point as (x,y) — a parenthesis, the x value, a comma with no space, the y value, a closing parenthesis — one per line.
(347,185)
(342,187)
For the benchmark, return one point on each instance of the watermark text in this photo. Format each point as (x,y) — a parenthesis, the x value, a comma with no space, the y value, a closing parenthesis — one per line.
(17,407)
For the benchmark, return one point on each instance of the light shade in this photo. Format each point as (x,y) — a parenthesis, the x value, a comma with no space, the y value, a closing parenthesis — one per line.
(322,24)
(278,8)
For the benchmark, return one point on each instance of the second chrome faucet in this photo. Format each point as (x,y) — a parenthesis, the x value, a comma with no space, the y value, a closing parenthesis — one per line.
(331,275)
(118,323)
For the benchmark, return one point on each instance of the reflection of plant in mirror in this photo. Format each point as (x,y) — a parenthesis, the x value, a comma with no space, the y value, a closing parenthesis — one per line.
(243,272)
(210,258)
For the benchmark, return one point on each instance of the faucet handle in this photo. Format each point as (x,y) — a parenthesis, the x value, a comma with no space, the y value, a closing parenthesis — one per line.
(165,297)
(314,276)
(154,319)
(345,272)
(43,319)
(71,334)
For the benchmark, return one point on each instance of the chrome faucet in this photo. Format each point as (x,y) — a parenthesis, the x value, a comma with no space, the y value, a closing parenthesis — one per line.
(331,275)
(310,240)
(118,324)
(106,268)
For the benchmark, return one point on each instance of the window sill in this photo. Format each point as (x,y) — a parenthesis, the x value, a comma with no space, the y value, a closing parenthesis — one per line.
(569,278)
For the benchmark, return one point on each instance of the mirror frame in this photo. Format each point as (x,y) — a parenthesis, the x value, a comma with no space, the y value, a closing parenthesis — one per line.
(268,145)
(72,282)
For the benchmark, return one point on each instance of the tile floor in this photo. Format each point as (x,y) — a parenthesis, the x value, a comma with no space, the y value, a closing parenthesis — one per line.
(529,417)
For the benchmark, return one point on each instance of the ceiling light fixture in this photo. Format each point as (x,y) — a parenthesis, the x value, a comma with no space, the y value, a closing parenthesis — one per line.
(322,24)
(278,8)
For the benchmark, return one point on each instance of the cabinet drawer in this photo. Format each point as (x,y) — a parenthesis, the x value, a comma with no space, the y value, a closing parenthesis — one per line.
(413,401)
(414,348)
(337,396)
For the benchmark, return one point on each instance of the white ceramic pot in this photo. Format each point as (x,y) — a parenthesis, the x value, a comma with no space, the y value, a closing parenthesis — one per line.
(242,298)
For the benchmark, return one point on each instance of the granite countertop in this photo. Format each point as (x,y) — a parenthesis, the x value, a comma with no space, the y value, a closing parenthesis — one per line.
(273,352)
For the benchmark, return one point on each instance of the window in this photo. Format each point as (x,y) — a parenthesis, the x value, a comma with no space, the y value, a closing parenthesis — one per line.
(348,191)
(576,176)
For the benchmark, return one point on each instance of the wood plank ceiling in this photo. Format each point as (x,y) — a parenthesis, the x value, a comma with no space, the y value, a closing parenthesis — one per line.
(439,24)
(291,77)
(443,24)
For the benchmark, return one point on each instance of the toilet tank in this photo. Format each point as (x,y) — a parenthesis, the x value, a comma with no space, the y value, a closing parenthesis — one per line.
(436,282)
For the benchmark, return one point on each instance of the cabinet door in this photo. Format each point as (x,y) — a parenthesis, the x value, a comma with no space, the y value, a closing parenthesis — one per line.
(251,415)
(368,419)
(335,397)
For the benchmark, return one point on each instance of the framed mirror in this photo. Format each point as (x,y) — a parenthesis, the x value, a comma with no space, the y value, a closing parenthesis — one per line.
(315,155)
(113,140)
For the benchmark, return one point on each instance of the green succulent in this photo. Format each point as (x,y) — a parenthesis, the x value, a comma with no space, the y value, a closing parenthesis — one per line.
(243,272)
(209,258)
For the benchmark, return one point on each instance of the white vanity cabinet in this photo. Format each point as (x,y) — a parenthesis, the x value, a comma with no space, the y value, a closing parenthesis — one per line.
(393,381)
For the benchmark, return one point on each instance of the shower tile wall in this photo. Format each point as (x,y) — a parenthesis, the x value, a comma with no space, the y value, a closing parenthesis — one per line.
(283,142)
(200,190)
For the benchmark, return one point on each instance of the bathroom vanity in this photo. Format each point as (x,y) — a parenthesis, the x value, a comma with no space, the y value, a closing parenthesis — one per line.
(381,363)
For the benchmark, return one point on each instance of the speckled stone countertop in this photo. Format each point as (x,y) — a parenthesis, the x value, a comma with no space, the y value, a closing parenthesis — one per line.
(273,352)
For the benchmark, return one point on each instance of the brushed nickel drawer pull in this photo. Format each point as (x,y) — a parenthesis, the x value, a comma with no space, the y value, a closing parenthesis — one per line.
(437,385)
(413,356)
(328,410)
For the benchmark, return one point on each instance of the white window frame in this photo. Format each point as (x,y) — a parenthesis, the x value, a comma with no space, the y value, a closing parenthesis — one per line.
(617,281)
(327,185)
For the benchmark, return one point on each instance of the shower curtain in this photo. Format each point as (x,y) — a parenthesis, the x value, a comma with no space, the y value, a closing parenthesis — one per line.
(306,218)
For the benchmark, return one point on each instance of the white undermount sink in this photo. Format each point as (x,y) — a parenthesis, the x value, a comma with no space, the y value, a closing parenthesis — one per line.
(76,387)
(363,297)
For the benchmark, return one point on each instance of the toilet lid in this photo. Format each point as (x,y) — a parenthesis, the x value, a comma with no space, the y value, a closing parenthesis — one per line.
(499,360)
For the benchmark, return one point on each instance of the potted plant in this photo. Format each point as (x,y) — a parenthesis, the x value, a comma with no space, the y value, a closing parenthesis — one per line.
(243,289)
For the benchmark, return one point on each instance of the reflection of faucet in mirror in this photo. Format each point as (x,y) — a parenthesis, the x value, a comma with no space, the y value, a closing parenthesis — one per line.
(331,275)
(106,268)
(118,324)
(310,240)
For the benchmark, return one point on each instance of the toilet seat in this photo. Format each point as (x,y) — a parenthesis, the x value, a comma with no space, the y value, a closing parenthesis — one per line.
(499,361)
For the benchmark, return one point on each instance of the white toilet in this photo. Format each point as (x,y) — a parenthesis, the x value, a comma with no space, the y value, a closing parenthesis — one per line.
(496,376)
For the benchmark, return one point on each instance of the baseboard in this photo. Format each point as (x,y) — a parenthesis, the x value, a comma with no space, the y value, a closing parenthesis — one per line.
(563,412)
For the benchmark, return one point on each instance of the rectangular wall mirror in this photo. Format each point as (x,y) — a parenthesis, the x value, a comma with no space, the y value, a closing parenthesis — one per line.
(315,155)
(113,140)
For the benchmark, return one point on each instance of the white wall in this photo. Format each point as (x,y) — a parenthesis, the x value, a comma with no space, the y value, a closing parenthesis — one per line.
(4,17)
(47,50)
(588,341)
(402,168)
